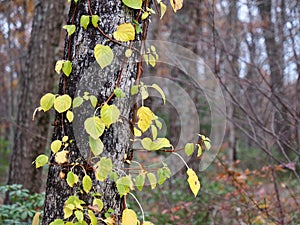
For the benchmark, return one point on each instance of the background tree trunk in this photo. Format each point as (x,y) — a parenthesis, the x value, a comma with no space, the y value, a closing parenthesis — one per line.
(87,76)
(36,79)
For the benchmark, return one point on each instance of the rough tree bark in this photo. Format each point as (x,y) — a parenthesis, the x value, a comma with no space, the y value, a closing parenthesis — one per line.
(88,76)
(36,79)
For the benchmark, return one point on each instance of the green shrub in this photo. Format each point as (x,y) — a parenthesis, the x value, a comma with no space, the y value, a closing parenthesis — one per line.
(23,205)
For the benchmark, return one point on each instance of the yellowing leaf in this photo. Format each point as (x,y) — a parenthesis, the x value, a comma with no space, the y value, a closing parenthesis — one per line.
(154,132)
(99,203)
(134,89)
(57,222)
(77,101)
(124,185)
(109,114)
(65,138)
(199,150)
(157,144)
(104,55)
(93,218)
(128,53)
(58,66)
(145,118)
(68,211)
(152,60)
(119,93)
(96,145)
(193,181)
(94,126)
(207,145)
(104,168)
(161,92)
(84,21)
(55,146)
(152,179)
(145,15)
(95,19)
(79,215)
(36,218)
(189,149)
(72,179)
(129,217)
(87,183)
(41,160)
(70,116)
(134,4)
(61,157)
(110,221)
(137,132)
(70,29)
(163,9)
(140,181)
(93,100)
(176,4)
(125,32)
(47,101)
(67,67)
(62,103)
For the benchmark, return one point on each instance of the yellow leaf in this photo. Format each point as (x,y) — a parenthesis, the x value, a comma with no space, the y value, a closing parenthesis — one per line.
(62,103)
(104,55)
(125,32)
(148,223)
(68,211)
(137,132)
(145,118)
(61,157)
(110,221)
(163,9)
(59,65)
(176,4)
(36,218)
(70,116)
(129,217)
(55,146)
(193,181)
(47,101)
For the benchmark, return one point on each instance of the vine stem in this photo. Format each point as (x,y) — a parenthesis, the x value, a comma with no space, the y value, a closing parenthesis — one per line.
(179,156)
(137,201)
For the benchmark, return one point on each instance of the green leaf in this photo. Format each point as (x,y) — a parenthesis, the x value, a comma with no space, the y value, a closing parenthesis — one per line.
(113,176)
(135,4)
(140,181)
(207,145)
(55,146)
(157,144)
(104,167)
(47,101)
(77,101)
(189,149)
(79,215)
(134,89)
(124,185)
(109,114)
(94,126)
(95,20)
(87,183)
(74,200)
(96,145)
(152,180)
(163,174)
(72,179)
(104,55)
(62,103)
(161,92)
(58,66)
(84,21)
(138,29)
(119,93)
(99,203)
(93,218)
(67,68)
(70,116)
(199,150)
(93,100)
(70,29)
(41,160)
(154,132)
(57,222)
(125,32)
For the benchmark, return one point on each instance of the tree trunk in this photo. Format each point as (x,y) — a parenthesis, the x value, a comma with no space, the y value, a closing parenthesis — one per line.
(88,76)
(36,79)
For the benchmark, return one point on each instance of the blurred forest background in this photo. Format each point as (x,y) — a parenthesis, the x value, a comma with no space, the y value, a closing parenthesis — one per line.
(253,49)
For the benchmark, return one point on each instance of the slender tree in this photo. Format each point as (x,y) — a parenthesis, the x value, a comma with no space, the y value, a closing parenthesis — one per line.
(36,78)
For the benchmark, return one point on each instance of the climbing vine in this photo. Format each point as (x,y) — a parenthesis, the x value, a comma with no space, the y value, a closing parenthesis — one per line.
(76,210)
